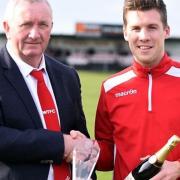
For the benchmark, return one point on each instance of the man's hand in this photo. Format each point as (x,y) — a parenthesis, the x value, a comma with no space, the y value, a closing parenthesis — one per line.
(77,134)
(170,171)
(70,142)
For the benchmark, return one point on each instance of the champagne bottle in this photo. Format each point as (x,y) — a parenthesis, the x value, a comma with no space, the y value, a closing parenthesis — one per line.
(152,165)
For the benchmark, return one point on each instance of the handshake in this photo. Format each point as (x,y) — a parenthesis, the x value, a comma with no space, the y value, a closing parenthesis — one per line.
(76,139)
(82,152)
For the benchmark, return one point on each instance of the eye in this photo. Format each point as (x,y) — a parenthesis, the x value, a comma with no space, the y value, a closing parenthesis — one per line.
(25,25)
(43,25)
(153,27)
(135,28)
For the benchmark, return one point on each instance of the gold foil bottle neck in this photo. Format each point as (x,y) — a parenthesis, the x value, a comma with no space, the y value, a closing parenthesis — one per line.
(166,149)
(174,140)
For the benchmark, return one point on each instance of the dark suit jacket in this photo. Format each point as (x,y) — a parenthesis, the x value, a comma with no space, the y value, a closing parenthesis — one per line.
(25,147)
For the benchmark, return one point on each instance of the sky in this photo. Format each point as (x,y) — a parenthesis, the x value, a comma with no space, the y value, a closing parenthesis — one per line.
(67,13)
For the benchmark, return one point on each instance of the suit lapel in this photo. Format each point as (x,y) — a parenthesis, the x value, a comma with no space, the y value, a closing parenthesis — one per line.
(15,77)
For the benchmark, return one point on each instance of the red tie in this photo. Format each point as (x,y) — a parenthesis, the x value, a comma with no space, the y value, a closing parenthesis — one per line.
(61,172)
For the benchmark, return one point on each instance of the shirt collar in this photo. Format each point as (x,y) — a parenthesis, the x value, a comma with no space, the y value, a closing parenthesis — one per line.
(24,67)
(161,68)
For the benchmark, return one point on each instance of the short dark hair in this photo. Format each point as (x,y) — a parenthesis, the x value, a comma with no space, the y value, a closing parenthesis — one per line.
(144,5)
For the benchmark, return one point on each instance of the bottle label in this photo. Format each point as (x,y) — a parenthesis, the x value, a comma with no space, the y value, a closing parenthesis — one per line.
(129,177)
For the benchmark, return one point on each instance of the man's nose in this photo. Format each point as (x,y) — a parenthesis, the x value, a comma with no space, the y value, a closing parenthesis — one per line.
(144,34)
(34,33)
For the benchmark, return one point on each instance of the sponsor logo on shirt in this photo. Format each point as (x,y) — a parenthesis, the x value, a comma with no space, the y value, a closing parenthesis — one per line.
(49,111)
(126,93)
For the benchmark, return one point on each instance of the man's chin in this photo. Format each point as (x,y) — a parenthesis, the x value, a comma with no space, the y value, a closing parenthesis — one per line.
(31,56)
(32,53)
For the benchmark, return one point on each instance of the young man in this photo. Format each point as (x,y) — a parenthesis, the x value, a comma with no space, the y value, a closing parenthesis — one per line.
(37,115)
(138,107)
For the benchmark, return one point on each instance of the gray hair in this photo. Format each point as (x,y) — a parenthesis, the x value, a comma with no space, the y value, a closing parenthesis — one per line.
(11,5)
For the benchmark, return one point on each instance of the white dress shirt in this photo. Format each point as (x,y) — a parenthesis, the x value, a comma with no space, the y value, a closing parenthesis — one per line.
(31,82)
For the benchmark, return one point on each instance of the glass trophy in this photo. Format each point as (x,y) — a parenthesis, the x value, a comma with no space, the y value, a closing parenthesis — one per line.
(85,156)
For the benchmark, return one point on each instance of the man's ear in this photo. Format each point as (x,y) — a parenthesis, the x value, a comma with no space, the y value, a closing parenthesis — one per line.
(125,34)
(6,28)
(167,32)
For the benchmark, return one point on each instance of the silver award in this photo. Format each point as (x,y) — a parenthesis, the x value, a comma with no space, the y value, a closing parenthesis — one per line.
(85,156)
